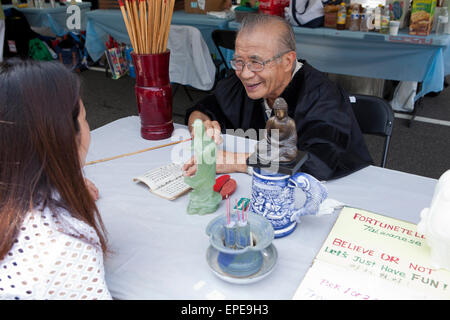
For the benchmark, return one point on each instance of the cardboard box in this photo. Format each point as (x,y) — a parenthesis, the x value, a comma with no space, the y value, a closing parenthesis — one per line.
(203,6)
(422,13)
(108,4)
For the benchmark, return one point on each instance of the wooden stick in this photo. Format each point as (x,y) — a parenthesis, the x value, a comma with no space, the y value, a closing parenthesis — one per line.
(147,46)
(136,152)
(127,18)
(141,24)
(132,27)
(130,17)
(136,21)
(149,25)
(127,24)
(156,21)
(162,25)
(133,23)
(172,4)
(152,22)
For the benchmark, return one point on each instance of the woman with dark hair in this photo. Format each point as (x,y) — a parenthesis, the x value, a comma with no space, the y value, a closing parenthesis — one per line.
(52,239)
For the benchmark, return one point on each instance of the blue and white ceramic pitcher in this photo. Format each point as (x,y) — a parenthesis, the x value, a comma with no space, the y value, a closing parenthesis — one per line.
(273,197)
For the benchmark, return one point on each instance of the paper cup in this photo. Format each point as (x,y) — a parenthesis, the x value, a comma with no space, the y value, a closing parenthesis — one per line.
(393,27)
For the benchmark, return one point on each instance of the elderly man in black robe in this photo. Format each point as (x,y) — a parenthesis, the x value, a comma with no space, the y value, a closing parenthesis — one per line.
(266,67)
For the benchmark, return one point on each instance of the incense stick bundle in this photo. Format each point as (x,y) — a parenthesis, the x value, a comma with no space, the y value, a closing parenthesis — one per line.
(148,24)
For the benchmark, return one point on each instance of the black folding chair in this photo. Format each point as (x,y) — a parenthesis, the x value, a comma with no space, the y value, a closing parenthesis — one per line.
(223,39)
(374,116)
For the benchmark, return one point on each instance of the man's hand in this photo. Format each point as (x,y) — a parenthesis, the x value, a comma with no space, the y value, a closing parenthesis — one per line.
(226,162)
(212,128)
(190,167)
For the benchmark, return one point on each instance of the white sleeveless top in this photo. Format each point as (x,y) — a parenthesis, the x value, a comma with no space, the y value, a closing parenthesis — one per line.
(45,263)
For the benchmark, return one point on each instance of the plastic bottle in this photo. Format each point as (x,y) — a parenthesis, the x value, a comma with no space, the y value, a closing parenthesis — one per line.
(364,16)
(442,21)
(348,16)
(378,18)
(370,16)
(385,18)
(341,16)
(354,22)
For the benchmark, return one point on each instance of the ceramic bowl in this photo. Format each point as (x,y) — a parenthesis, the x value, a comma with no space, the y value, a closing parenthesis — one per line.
(261,231)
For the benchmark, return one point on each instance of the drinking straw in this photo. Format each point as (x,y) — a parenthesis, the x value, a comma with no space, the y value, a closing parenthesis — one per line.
(228,211)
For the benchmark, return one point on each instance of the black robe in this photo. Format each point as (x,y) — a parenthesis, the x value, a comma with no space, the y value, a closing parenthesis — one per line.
(326,126)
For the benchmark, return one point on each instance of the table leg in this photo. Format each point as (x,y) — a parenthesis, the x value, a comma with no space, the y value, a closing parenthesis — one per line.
(418,104)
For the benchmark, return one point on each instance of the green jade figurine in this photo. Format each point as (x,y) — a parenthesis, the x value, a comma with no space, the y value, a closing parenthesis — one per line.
(203,199)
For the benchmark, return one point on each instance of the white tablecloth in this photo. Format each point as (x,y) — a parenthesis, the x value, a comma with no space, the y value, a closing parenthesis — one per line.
(159,251)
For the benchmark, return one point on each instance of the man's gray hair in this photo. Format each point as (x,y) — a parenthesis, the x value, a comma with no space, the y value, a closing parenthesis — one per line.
(255,21)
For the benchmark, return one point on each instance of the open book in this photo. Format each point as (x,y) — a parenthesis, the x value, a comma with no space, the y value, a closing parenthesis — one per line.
(368,256)
(166,181)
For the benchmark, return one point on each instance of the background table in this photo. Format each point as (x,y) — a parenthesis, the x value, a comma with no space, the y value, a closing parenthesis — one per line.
(112,22)
(375,55)
(54,19)
(159,251)
(205,23)
(190,59)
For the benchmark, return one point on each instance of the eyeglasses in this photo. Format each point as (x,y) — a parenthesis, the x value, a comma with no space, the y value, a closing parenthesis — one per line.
(253,65)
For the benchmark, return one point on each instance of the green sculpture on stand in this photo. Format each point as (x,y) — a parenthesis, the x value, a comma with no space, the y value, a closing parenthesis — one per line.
(203,199)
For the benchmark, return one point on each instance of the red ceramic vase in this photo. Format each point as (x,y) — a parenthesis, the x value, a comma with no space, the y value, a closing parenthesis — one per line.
(154,95)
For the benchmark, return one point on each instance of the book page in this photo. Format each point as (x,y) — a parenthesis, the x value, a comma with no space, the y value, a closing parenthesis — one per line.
(166,181)
(173,189)
(160,176)
(388,251)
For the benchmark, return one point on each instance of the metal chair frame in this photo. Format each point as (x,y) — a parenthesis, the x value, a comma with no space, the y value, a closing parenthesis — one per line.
(374,116)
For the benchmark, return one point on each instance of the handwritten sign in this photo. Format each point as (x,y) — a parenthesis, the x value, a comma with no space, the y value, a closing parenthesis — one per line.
(370,256)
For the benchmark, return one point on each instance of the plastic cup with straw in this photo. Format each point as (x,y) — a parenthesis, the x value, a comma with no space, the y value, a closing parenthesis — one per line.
(230,228)
(243,229)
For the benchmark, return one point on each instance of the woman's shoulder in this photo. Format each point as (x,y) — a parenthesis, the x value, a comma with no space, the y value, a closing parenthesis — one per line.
(50,259)
(52,226)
